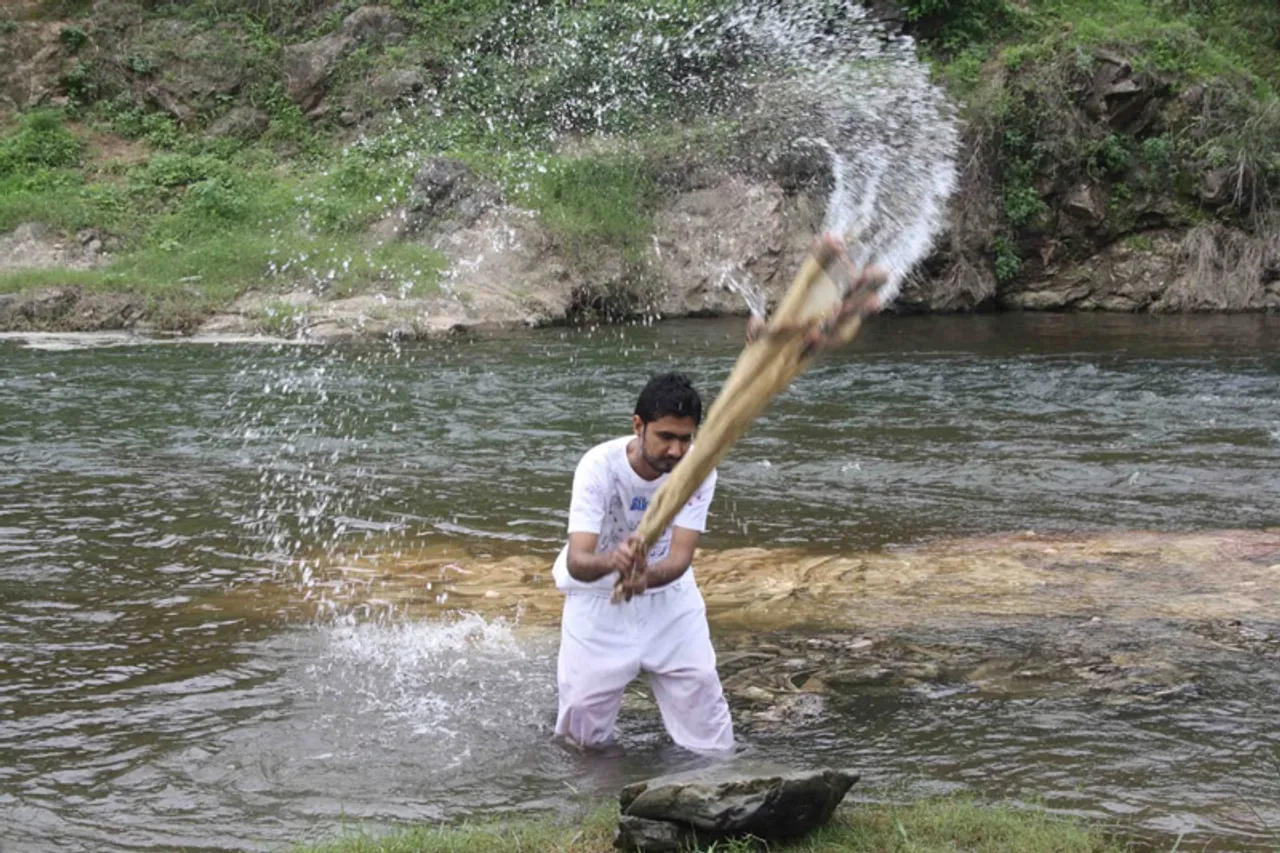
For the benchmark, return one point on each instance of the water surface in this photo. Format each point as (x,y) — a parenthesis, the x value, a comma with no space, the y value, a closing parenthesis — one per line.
(142,483)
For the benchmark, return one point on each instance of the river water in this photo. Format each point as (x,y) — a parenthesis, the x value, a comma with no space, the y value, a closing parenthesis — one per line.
(143,486)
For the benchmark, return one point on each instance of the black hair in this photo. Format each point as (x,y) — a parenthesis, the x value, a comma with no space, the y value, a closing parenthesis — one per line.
(669,394)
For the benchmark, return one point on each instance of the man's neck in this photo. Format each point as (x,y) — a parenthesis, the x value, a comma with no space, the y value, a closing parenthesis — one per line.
(635,458)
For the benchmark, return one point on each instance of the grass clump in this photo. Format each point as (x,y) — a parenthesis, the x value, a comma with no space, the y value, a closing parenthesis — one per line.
(1198,38)
(947,825)
(200,226)
(40,143)
(591,201)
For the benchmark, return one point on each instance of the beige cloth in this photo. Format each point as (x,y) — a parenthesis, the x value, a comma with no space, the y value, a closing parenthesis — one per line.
(764,369)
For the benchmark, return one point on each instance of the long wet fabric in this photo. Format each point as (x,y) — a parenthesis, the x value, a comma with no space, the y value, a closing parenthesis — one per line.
(763,370)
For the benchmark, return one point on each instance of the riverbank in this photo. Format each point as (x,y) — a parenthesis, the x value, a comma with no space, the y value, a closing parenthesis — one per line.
(345,170)
(931,826)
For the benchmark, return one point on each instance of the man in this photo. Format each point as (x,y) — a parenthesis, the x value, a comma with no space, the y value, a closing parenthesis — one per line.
(662,629)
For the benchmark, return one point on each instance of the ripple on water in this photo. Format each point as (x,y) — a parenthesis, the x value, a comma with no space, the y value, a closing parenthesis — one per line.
(155,694)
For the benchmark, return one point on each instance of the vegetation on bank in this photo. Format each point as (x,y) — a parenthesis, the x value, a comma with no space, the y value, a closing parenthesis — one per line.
(931,826)
(191,220)
(1195,144)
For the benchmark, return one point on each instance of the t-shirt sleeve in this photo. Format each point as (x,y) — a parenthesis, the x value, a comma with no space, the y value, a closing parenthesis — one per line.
(589,499)
(693,516)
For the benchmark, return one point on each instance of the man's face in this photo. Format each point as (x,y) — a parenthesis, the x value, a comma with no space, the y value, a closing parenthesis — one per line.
(665,441)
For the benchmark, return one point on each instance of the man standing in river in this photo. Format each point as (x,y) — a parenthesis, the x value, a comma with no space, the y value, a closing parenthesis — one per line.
(662,628)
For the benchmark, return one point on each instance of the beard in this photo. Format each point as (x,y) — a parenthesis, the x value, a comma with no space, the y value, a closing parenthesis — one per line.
(658,463)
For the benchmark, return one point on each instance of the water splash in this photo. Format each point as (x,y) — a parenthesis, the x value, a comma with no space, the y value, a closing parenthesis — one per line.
(864,99)
(813,74)
(802,81)
(438,678)
(815,82)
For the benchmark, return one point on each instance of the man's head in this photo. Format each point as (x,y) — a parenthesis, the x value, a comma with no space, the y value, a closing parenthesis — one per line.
(668,412)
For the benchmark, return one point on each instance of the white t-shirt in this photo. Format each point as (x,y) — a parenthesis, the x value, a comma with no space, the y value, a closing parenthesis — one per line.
(609,499)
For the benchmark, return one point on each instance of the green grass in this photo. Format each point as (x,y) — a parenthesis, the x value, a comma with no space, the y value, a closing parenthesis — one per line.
(218,268)
(202,226)
(591,201)
(201,222)
(948,825)
(1198,38)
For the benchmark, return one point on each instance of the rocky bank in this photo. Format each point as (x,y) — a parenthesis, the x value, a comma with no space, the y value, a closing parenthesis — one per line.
(1079,197)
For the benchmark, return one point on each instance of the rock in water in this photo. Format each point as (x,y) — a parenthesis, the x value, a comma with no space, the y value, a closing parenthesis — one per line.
(765,801)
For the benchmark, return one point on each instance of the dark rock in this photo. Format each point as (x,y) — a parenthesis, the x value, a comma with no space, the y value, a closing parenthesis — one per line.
(801,168)
(765,801)
(890,13)
(307,67)
(1052,295)
(448,193)
(242,123)
(1087,202)
(48,304)
(1193,96)
(652,836)
(368,21)
(1129,275)
(167,99)
(117,14)
(1217,186)
(394,85)
(1120,97)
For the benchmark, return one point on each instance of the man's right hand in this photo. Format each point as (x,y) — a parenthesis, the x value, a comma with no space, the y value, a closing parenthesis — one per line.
(624,560)
(587,566)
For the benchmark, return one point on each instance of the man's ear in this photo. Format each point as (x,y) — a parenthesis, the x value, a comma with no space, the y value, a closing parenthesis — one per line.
(637,424)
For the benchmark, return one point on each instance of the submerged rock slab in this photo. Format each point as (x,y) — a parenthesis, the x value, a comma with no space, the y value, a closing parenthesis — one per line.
(761,800)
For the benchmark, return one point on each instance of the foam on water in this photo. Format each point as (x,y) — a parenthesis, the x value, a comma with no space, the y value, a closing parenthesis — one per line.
(443,678)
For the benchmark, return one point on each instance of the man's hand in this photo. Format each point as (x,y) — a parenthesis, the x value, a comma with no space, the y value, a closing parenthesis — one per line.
(629,560)
(637,584)
(624,557)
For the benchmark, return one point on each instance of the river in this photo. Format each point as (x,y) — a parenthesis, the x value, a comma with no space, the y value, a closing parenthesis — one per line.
(165,507)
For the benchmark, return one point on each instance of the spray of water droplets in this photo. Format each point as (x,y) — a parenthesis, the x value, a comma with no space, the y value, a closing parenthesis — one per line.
(811,81)
(816,76)
(806,79)
(861,97)
(438,678)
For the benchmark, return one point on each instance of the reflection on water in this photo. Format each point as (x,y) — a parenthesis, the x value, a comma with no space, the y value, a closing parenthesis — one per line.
(145,705)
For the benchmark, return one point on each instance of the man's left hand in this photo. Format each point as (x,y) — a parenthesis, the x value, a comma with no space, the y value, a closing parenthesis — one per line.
(636,584)
(635,581)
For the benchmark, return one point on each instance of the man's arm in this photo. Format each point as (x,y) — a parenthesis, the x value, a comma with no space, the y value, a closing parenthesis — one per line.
(677,561)
(672,566)
(685,532)
(586,565)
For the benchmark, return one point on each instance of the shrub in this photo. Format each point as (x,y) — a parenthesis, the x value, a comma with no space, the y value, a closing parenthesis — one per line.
(41,141)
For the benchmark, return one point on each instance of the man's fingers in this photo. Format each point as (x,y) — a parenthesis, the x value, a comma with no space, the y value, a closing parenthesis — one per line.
(872,275)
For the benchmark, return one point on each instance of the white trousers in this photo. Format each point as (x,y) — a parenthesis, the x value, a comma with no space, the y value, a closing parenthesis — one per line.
(604,646)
